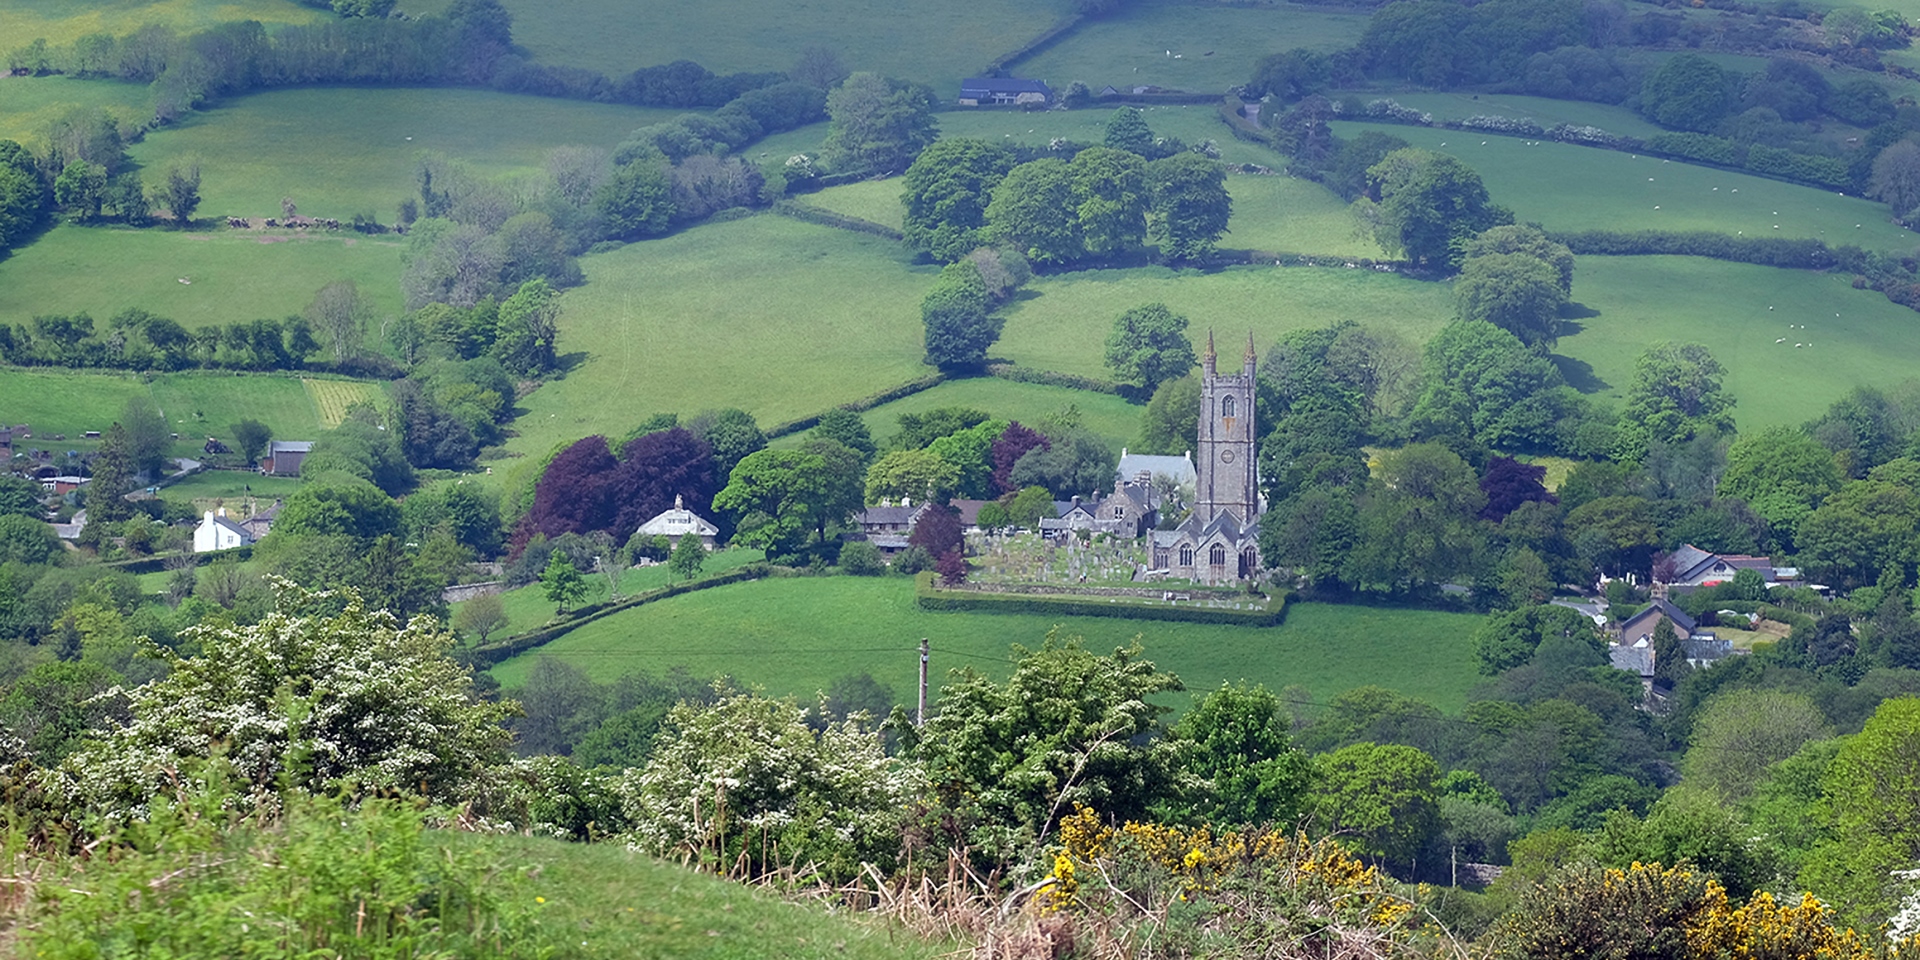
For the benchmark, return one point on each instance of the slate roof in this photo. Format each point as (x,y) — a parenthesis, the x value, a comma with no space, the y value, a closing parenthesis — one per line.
(678,521)
(289,446)
(1635,660)
(888,516)
(988,86)
(1677,615)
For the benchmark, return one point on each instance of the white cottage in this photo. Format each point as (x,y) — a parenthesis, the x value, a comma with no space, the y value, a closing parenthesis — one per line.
(678,522)
(216,532)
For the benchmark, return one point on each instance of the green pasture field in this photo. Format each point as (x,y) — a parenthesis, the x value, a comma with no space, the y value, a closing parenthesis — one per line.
(61,22)
(771,315)
(338,151)
(796,635)
(924,40)
(1852,336)
(1103,414)
(875,200)
(1565,187)
(1283,214)
(528,608)
(1217,44)
(196,404)
(1064,325)
(227,487)
(1544,111)
(29,104)
(235,275)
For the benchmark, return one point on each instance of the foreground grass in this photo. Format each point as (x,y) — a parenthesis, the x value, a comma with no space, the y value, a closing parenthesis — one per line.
(936,43)
(1063,324)
(341,150)
(618,903)
(1738,311)
(774,316)
(1218,44)
(1566,187)
(234,275)
(795,636)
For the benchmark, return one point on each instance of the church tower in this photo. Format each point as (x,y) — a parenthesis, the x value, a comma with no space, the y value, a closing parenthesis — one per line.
(1225,465)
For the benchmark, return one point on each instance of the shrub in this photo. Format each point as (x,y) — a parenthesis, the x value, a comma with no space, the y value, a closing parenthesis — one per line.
(862,559)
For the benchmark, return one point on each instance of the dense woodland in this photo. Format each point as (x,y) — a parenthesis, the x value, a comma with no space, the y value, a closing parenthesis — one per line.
(1093,803)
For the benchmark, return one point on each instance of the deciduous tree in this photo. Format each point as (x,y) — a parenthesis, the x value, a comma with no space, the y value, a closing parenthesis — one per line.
(877,125)
(1033,210)
(1189,203)
(947,191)
(1516,292)
(1148,346)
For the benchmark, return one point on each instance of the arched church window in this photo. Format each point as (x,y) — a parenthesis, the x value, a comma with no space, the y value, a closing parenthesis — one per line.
(1218,557)
(1226,406)
(1186,555)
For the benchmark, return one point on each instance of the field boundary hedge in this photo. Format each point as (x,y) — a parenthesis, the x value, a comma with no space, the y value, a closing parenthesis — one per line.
(1272,608)
(861,405)
(1047,38)
(501,650)
(1051,378)
(809,213)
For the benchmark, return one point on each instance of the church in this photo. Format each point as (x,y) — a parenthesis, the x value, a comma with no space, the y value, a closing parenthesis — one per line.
(1217,542)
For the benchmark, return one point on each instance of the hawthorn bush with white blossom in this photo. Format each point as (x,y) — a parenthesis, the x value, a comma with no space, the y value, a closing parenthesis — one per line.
(321,695)
(745,786)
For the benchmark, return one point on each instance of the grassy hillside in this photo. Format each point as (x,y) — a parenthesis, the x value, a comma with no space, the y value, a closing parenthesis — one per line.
(235,275)
(1107,416)
(1064,325)
(1853,336)
(528,608)
(29,104)
(341,150)
(937,43)
(875,200)
(1287,215)
(774,316)
(1218,44)
(1580,188)
(63,21)
(796,635)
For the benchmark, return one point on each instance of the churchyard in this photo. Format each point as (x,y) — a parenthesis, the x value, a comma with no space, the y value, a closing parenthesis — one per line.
(1028,558)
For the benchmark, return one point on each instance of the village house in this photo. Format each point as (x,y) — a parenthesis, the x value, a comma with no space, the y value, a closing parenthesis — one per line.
(261,523)
(1694,567)
(63,485)
(680,522)
(1632,646)
(975,91)
(216,532)
(284,457)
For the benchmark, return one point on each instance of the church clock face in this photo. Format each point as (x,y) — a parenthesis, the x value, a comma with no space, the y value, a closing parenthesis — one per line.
(1226,456)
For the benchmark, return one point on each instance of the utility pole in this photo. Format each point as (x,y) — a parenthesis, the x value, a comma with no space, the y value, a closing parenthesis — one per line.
(920,715)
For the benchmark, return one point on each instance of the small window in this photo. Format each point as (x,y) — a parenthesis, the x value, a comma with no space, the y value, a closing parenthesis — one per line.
(1219,556)
(1186,555)
(1226,406)
(1119,513)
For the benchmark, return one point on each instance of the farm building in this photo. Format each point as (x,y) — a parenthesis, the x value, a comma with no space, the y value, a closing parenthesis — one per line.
(976,91)
(216,532)
(284,456)
(63,485)
(1694,567)
(679,522)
